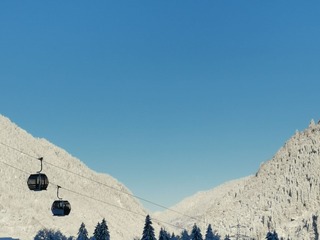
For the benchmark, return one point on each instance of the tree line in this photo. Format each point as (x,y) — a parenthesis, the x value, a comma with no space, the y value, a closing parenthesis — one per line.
(101,232)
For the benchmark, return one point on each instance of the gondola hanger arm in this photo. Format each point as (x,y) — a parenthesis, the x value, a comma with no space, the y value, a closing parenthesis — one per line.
(40,158)
(58,187)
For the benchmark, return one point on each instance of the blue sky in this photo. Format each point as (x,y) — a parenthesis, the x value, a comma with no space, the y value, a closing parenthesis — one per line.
(169,97)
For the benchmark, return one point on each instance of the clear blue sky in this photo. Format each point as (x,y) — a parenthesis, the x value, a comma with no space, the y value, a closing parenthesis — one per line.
(169,97)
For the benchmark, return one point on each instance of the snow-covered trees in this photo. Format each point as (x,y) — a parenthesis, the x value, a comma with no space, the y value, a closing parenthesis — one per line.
(101,232)
(49,234)
(82,233)
(148,230)
(196,233)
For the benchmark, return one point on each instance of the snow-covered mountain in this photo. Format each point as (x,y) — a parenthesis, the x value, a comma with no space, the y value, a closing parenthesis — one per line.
(24,212)
(283,195)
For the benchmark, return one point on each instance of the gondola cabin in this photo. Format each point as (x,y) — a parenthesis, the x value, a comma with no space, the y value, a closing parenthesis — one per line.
(38,182)
(60,208)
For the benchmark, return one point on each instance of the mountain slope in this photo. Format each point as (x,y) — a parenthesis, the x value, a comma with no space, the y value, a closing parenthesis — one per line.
(283,195)
(24,212)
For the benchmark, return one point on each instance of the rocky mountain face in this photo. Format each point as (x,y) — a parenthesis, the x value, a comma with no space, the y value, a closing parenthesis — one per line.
(24,212)
(284,195)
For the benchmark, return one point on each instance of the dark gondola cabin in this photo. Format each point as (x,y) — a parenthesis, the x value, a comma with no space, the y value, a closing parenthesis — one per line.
(38,182)
(60,208)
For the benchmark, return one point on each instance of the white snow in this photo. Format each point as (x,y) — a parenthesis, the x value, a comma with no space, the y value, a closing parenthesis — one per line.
(24,212)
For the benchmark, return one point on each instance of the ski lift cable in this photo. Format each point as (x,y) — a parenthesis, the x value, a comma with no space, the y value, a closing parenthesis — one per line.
(18,150)
(115,206)
(121,191)
(98,200)
(14,167)
(105,185)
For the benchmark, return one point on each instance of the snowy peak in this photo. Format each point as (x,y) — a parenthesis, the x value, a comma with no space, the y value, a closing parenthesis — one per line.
(302,148)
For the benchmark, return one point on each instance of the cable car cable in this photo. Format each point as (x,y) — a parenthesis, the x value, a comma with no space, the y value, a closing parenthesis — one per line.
(103,184)
(98,200)
(130,194)
(121,208)
(16,149)
(125,209)
(15,167)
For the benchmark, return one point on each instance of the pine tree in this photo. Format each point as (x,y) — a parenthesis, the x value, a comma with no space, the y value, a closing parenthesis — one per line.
(96,233)
(216,236)
(196,233)
(209,233)
(269,236)
(101,232)
(272,236)
(173,237)
(227,237)
(148,230)
(275,235)
(104,231)
(164,235)
(82,233)
(49,234)
(185,235)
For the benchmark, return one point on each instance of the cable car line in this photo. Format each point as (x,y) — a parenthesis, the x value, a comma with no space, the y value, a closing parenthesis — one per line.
(15,167)
(105,185)
(116,206)
(18,150)
(125,209)
(95,199)
(130,194)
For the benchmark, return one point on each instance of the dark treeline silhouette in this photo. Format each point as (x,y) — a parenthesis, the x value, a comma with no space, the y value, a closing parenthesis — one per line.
(101,232)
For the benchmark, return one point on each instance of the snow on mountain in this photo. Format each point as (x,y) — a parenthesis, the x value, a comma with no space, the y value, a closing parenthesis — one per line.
(24,212)
(284,195)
